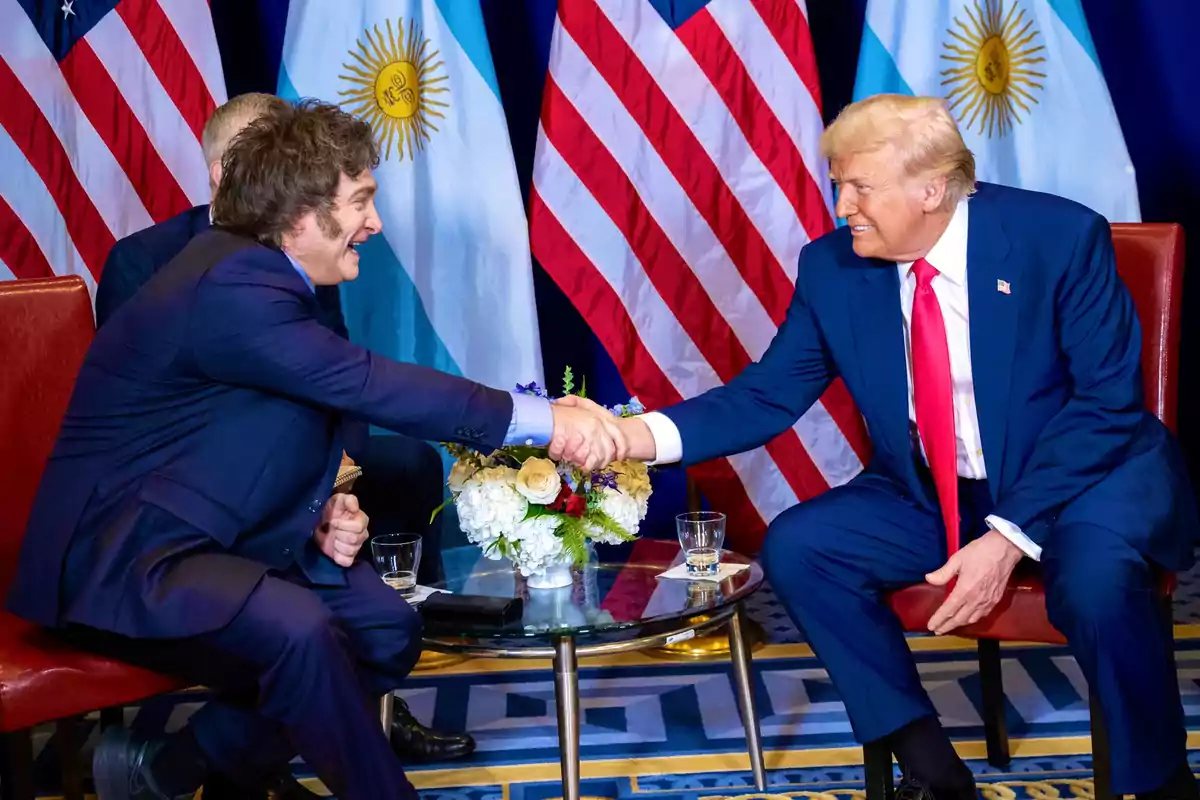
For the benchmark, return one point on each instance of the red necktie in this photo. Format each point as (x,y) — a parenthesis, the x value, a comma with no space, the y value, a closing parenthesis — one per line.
(933,396)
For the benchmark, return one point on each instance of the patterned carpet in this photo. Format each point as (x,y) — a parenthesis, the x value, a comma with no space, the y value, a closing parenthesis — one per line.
(667,729)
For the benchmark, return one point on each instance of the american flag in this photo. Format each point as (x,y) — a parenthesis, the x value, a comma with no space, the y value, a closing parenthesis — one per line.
(101,108)
(676,179)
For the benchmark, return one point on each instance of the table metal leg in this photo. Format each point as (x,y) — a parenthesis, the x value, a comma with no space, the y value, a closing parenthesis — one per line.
(387,711)
(739,653)
(566,694)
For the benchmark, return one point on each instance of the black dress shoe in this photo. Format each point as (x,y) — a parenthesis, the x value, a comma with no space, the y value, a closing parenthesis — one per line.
(1181,785)
(912,789)
(121,767)
(414,743)
(218,787)
(281,787)
(288,788)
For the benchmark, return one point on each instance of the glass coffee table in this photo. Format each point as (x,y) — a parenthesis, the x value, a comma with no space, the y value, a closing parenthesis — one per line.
(614,605)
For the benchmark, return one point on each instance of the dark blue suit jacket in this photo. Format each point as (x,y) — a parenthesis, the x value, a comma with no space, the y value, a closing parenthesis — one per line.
(1056,366)
(215,395)
(134,260)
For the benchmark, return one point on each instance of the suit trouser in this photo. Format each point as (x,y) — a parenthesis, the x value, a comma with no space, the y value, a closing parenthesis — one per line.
(299,669)
(830,559)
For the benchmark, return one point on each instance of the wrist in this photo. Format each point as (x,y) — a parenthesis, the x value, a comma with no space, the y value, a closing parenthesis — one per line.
(642,446)
(1012,553)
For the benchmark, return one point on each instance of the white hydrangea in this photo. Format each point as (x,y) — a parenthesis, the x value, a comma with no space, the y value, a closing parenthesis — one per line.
(538,545)
(489,506)
(625,512)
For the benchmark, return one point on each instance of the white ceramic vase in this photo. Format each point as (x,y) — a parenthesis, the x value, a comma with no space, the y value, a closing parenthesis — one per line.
(555,576)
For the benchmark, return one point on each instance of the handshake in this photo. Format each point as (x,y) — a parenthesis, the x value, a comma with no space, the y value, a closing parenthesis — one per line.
(591,437)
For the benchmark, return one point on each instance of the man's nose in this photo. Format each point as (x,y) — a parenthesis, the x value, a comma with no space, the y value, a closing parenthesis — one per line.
(846,204)
(374,223)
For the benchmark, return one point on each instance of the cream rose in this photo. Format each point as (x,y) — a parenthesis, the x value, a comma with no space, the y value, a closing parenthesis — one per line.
(633,478)
(460,473)
(538,481)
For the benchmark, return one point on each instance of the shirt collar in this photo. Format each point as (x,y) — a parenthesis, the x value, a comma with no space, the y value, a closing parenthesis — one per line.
(296,266)
(949,254)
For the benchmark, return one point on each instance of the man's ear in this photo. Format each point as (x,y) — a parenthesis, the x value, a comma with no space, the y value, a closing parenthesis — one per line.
(935,194)
(287,239)
(214,174)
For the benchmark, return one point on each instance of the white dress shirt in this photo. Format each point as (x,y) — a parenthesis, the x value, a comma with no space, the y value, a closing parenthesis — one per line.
(949,257)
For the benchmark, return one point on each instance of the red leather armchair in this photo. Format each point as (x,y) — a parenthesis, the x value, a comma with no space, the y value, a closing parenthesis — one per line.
(1150,262)
(45,329)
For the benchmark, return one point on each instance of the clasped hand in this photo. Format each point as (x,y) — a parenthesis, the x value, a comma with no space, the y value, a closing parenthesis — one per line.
(586,434)
(342,530)
(982,570)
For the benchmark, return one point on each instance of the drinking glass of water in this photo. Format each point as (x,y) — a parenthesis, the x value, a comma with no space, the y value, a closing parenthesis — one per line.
(701,535)
(397,556)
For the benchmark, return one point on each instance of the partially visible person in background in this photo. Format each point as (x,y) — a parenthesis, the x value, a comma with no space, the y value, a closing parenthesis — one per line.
(134,259)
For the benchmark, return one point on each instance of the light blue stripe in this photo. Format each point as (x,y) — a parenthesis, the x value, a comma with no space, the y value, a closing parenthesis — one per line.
(466,22)
(285,89)
(384,313)
(877,71)
(382,308)
(877,74)
(1072,16)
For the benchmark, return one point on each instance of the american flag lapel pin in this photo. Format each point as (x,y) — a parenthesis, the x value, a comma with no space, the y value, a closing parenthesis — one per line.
(1003,288)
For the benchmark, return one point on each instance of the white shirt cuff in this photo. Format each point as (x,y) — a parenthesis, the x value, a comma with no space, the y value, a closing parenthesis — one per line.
(668,444)
(1016,536)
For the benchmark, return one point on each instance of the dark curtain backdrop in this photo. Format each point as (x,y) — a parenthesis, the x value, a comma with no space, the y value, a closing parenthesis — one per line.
(1148,50)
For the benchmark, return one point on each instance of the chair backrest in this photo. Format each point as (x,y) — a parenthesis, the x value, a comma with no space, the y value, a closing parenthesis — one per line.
(46,326)
(1150,262)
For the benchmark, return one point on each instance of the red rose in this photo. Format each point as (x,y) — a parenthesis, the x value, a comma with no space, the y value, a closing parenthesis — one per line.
(569,503)
(576,505)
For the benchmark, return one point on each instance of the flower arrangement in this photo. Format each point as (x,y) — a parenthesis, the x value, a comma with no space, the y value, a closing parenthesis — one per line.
(518,503)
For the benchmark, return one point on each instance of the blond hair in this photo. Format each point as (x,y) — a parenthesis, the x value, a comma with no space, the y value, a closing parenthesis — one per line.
(229,119)
(920,128)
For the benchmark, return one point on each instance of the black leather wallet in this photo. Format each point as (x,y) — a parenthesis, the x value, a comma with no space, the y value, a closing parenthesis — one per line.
(471,609)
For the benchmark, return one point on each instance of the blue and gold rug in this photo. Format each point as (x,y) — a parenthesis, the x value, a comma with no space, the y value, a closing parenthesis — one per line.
(659,728)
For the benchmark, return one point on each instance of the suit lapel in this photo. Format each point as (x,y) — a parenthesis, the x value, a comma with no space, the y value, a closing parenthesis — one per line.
(878,330)
(993,326)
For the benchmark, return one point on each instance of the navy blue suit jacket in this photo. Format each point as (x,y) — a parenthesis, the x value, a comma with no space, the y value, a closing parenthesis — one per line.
(215,395)
(1056,366)
(134,260)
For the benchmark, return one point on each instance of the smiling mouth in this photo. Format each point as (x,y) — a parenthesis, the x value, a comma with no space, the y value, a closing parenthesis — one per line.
(860,228)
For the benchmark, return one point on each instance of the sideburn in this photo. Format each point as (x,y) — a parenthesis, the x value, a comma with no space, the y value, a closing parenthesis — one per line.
(328,224)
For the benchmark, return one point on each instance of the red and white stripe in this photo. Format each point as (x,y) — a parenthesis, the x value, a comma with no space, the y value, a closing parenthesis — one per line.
(107,142)
(677,177)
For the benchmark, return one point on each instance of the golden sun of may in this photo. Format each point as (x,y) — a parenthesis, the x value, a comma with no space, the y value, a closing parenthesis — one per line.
(994,61)
(395,86)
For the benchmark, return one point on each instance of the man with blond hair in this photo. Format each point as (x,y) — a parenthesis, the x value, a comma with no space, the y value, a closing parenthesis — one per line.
(134,259)
(994,353)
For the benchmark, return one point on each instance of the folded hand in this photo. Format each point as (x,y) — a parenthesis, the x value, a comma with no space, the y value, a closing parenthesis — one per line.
(343,529)
(586,434)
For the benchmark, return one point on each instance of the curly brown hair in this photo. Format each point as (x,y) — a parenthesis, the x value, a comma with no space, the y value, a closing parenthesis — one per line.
(287,163)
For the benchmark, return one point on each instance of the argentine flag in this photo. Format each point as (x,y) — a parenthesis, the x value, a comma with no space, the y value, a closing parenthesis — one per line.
(449,282)
(1022,79)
